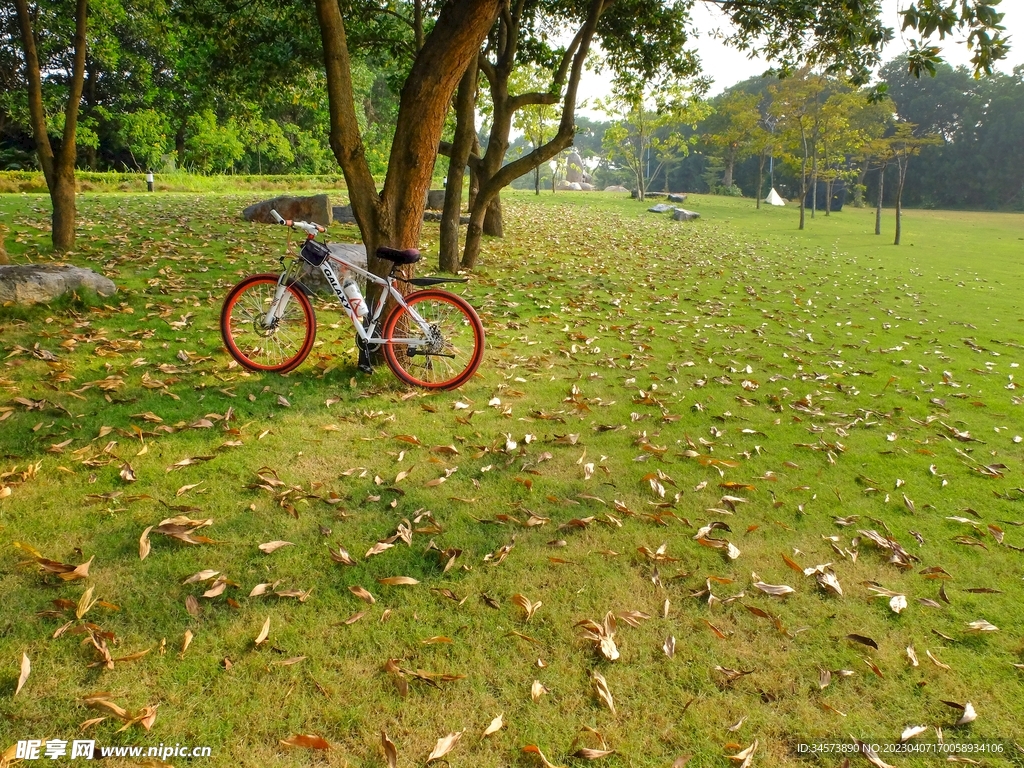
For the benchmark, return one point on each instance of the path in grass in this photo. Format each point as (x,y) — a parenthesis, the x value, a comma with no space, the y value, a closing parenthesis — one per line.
(806,395)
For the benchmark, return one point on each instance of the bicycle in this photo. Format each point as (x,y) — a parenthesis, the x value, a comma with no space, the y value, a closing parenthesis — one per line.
(431,338)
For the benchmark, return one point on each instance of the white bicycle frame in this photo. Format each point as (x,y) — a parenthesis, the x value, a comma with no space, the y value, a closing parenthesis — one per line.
(281,297)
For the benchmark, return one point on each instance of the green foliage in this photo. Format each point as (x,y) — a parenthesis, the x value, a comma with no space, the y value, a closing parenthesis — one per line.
(212,146)
(146,136)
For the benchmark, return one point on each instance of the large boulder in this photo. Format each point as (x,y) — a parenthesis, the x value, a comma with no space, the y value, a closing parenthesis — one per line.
(316,208)
(42,283)
(569,186)
(681,214)
(660,208)
(435,199)
(677,198)
(616,188)
(343,214)
(574,170)
(587,187)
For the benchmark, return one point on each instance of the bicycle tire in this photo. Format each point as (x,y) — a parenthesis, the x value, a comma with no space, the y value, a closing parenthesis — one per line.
(279,349)
(458,350)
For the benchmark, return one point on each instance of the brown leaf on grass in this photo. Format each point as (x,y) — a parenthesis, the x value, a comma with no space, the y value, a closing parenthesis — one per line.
(397,581)
(981,626)
(306,741)
(863,640)
(775,590)
(192,605)
(340,555)
(85,602)
(444,746)
(185,643)
(26,668)
(63,570)
(273,546)
(534,749)
(681,761)
(496,725)
(390,751)
(537,690)
(717,632)
(967,709)
(746,756)
(101,700)
(601,689)
(204,575)
(602,635)
(592,754)
(127,473)
(527,605)
(354,618)
(669,647)
(144,546)
(264,633)
(376,549)
(362,594)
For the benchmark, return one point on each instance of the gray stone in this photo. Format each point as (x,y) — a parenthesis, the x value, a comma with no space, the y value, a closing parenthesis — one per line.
(660,208)
(42,283)
(316,208)
(586,187)
(343,214)
(677,198)
(435,199)
(313,278)
(436,216)
(681,214)
(616,188)
(569,186)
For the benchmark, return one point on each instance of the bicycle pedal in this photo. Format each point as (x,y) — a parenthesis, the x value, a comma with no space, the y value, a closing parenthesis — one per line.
(365,367)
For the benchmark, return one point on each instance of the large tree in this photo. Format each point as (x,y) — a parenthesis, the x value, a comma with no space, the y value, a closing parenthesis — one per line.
(394,215)
(58,165)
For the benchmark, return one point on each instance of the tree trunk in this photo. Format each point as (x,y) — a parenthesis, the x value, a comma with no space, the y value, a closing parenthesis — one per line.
(493,226)
(179,145)
(760,180)
(902,167)
(828,196)
(878,207)
(803,182)
(727,176)
(814,182)
(462,144)
(59,168)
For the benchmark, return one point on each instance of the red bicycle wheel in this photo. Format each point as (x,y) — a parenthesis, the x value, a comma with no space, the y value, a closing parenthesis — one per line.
(279,347)
(453,343)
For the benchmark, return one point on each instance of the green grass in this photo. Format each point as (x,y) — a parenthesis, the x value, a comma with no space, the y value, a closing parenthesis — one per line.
(618,344)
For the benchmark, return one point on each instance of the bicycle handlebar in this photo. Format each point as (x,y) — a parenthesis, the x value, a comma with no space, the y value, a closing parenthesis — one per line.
(309,228)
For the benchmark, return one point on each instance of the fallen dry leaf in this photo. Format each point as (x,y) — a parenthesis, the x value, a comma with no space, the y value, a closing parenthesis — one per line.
(273,546)
(601,689)
(444,746)
(26,668)
(306,740)
(264,633)
(496,725)
(390,751)
(534,749)
(397,581)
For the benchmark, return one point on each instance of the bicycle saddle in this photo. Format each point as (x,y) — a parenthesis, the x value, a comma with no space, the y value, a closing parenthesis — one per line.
(408,256)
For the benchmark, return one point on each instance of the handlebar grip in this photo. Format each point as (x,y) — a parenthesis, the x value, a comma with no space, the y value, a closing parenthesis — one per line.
(277,216)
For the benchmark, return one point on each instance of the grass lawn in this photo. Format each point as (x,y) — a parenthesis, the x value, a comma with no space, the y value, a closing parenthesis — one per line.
(671,423)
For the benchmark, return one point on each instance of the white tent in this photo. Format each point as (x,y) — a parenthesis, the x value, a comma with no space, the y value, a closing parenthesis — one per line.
(774,198)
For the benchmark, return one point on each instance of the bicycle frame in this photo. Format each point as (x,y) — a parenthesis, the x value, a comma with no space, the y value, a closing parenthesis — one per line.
(366,334)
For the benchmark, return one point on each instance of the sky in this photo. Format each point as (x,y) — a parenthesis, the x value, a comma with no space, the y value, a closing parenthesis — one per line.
(726,66)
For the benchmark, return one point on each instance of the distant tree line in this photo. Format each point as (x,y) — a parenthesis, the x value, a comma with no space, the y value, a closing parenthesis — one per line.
(965,134)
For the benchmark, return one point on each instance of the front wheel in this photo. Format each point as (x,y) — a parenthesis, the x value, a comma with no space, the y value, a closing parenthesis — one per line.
(279,346)
(444,356)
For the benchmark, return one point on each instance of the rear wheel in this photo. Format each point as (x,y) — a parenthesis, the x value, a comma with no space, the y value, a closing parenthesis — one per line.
(453,343)
(279,347)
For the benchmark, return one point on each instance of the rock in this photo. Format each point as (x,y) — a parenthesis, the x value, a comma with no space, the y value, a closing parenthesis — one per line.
(569,186)
(677,198)
(343,214)
(660,208)
(314,280)
(3,250)
(574,171)
(587,187)
(681,214)
(435,199)
(316,208)
(436,216)
(616,188)
(42,283)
